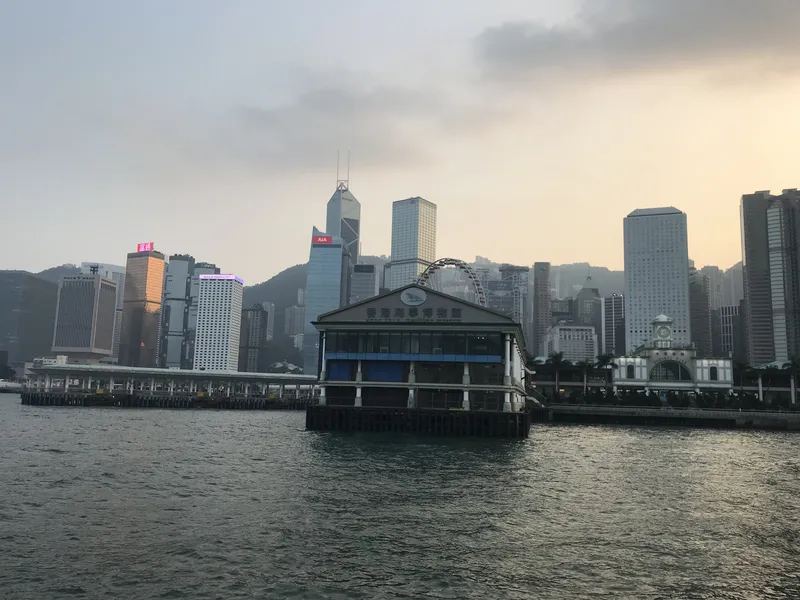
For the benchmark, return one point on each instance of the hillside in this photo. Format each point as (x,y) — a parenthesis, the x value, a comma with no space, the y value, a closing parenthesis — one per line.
(55,274)
(281,290)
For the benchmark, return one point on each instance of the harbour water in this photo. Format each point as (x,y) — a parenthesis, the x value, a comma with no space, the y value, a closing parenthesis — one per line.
(117,503)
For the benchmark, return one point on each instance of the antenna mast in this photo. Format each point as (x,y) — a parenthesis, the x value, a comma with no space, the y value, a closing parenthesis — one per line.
(342,184)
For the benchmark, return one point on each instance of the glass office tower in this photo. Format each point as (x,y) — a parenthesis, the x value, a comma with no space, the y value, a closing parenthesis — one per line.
(326,290)
(141,309)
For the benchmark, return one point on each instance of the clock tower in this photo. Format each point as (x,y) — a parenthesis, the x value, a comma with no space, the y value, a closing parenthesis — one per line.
(662,332)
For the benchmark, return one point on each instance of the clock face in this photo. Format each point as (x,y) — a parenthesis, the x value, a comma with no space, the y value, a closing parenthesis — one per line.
(663,332)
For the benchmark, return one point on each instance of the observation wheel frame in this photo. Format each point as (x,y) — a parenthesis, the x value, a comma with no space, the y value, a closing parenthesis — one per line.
(425,279)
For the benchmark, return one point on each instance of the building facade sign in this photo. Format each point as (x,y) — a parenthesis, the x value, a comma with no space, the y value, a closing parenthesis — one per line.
(413,297)
(145,247)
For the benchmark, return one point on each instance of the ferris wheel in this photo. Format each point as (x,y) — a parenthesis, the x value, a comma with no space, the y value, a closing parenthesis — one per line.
(454,277)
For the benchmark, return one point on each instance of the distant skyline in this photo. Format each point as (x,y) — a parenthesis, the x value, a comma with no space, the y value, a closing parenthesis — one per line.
(536,126)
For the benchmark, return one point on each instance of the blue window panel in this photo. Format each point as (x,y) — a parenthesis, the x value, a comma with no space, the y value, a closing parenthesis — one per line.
(339,370)
(382,371)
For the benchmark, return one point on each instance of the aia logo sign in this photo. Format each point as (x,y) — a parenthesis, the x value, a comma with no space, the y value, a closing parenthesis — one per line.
(322,239)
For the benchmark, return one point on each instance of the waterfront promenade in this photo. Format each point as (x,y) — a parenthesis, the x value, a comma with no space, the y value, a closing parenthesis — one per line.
(692,417)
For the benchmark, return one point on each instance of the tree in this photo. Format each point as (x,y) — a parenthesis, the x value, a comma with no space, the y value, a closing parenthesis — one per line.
(585,368)
(742,369)
(557,362)
(606,362)
(770,372)
(793,366)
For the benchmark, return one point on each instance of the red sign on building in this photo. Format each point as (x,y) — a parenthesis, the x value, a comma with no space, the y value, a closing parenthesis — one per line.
(322,239)
(144,247)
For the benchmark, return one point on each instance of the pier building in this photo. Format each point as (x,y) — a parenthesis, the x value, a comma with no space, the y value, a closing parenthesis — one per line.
(418,348)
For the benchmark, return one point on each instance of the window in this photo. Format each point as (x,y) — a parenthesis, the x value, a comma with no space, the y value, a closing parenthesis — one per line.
(331,342)
(395,343)
(427,313)
(372,342)
(455,313)
(441,313)
(425,346)
(405,346)
(714,374)
(383,341)
(630,372)
(414,348)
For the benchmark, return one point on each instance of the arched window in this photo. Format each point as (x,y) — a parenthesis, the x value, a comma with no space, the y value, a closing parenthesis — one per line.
(670,371)
(630,373)
(714,374)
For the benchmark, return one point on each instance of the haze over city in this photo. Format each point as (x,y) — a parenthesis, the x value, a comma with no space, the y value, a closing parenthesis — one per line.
(535,126)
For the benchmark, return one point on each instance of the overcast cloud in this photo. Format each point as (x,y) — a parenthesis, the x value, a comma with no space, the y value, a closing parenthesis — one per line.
(624,36)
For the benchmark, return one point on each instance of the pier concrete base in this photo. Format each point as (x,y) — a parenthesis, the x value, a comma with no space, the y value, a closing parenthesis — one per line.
(421,421)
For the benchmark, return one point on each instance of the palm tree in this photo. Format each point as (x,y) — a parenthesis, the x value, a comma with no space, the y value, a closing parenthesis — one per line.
(742,368)
(557,363)
(606,362)
(585,368)
(793,366)
(770,371)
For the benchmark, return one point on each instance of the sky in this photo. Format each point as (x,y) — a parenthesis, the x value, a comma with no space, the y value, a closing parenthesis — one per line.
(212,128)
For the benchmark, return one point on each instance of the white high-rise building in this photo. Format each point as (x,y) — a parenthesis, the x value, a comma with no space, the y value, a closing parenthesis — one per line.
(656,274)
(219,319)
(413,240)
(115,273)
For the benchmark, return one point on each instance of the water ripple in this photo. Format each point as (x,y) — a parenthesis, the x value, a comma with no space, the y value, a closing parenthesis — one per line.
(195,504)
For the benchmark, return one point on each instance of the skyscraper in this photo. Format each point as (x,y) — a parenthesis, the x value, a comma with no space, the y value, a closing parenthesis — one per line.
(517,277)
(783,240)
(613,334)
(413,240)
(758,330)
(175,312)
(253,339)
(716,285)
(27,316)
(293,322)
(542,309)
(588,308)
(363,284)
(724,322)
(179,311)
(700,312)
(326,289)
(656,274)
(117,273)
(141,308)
(344,220)
(85,317)
(269,323)
(219,320)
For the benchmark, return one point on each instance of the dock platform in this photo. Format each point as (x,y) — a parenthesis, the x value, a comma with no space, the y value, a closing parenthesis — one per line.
(35,398)
(459,423)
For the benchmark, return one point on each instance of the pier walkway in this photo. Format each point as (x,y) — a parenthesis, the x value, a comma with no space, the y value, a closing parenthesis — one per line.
(693,417)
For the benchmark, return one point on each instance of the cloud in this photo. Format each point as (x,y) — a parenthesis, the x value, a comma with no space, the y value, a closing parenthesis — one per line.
(610,37)
(383,125)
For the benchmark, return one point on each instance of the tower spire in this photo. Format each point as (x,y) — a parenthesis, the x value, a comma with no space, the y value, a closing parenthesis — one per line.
(342,184)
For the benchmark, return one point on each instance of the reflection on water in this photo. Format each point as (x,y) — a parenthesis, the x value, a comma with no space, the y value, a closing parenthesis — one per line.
(195,504)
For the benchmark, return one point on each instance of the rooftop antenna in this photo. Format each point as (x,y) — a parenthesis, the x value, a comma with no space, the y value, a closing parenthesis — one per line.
(342,184)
